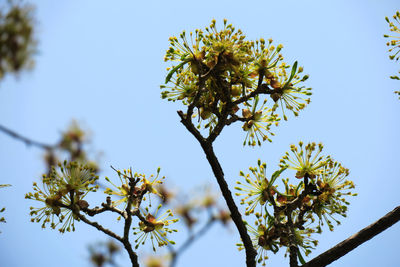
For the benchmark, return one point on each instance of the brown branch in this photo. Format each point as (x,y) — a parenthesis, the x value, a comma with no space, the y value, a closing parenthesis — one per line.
(105,207)
(132,255)
(98,226)
(26,140)
(355,240)
(292,240)
(227,194)
(262,89)
(190,127)
(206,144)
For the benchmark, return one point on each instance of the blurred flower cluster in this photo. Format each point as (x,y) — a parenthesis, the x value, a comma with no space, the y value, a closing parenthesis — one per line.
(394,43)
(71,146)
(289,216)
(198,211)
(227,78)
(16,38)
(103,253)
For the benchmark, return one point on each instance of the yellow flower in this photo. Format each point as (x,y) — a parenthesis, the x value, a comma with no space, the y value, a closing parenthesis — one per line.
(156,227)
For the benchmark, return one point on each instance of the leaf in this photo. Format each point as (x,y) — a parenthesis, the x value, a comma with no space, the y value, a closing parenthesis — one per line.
(301,259)
(169,76)
(294,68)
(275,175)
(256,99)
(4,185)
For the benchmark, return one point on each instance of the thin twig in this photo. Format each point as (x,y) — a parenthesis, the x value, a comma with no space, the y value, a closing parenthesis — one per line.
(105,207)
(190,240)
(262,89)
(26,140)
(99,227)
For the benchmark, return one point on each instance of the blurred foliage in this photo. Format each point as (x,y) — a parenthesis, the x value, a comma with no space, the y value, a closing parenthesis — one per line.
(104,253)
(17,44)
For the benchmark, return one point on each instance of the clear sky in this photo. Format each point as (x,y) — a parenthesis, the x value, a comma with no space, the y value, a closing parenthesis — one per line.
(101,62)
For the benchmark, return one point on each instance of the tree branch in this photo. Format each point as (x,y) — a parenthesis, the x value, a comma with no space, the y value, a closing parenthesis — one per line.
(355,240)
(98,226)
(190,240)
(27,141)
(227,194)
(261,89)
(132,255)
(105,207)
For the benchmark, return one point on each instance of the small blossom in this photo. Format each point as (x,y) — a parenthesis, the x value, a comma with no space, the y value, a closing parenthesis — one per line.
(305,160)
(143,186)
(156,227)
(258,124)
(334,188)
(257,190)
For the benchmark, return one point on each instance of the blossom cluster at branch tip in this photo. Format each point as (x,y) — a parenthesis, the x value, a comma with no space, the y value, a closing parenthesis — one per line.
(156,227)
(394,43)
(142,186)
(299,210)
(220,72)
(257,190)
(62,195)
(305,161)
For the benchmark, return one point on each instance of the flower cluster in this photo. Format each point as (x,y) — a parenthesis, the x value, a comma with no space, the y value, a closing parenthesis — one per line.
(135,188)
(2,219)
(305,161)
(62,194)
(142,186)
(155,226)
(290,216)
(219,72)
(71,146)
(16,42)
(394,43)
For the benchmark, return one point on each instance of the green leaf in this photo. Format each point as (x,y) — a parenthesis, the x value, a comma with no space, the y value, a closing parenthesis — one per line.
(294,68)
(4,185)
(299,186)
(275,175)
(169,76)
(301,259)
(256,99)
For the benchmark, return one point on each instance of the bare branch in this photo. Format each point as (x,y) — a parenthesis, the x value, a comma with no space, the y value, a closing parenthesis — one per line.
(105,207)
(355,240)
(190,240)
(262,89)
(227,194)
(26,140)
(98,226)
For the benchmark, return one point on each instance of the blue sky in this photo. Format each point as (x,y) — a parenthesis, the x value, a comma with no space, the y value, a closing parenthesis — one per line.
(102,64)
